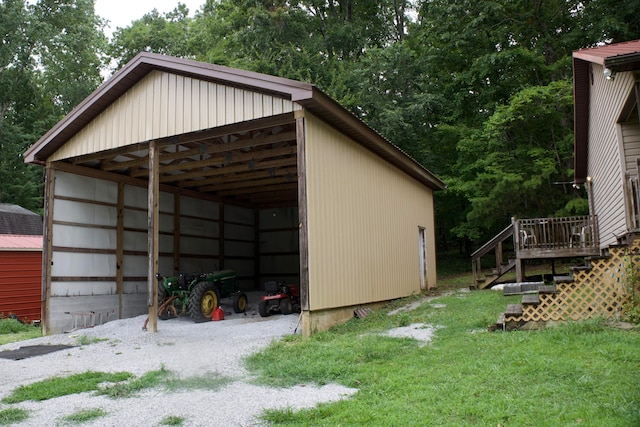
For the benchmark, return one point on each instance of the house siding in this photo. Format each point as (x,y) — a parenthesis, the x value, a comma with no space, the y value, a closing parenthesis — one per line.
(363,218)
(606,153)
(164,104)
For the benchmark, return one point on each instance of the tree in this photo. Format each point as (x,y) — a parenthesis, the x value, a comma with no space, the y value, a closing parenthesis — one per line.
(49,61)
(167,34)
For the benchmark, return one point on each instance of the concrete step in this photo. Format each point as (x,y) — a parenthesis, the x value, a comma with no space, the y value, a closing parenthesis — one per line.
(563,279)
(513,310)
(547,289)
(521,288)
(531,299)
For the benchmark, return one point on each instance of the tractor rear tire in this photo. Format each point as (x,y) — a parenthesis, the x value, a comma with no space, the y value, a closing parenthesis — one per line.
(203,299)
(285,306)
(263,309)
(240,302)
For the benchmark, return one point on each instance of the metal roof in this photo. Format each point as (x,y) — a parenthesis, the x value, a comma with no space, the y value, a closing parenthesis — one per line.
(302,93)
(13,241)
(618,57)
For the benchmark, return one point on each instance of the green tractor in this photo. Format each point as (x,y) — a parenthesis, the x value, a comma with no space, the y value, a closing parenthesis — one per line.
(198,295)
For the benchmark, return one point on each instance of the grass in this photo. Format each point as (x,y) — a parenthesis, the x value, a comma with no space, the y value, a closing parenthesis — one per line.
(86,340)
(11,330)
(84,416)
(574,374)
(167,380)
(63,386)
(120,385)
(12,416)
(172,421)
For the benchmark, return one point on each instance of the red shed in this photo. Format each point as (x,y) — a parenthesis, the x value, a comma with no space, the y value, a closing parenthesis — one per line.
(21,276)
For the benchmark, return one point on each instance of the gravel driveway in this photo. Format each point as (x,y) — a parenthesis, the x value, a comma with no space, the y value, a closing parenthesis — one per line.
(181,346)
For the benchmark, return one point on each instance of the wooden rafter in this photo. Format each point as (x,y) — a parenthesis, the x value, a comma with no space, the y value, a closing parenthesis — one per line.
(253,162)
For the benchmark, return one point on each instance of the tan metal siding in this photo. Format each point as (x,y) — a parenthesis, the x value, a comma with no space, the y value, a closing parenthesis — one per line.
(164,104)
(363,220)
(605,155)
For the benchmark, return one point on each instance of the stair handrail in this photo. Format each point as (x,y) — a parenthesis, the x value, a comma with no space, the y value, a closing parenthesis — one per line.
(500,237)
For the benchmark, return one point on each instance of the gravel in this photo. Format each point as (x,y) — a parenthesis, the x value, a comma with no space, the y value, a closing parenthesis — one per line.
(181,346)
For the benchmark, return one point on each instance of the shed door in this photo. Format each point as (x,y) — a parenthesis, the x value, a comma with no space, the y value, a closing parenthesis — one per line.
(422,253)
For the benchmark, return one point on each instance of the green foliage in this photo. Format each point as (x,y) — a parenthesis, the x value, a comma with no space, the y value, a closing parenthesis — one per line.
(10,325)
(86,340)
(166,379)
(522,151)
(50,60)
(172,421)
(466,376)
(11,416)
(63,386)
(130,388)
(12,330)
(167,34)
(84,416)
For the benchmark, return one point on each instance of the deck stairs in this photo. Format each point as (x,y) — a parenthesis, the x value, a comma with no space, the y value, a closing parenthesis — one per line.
(530,292)
(487,280)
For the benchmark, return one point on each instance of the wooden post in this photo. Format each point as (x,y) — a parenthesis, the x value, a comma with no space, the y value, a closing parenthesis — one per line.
(47,246)
(176,232)
(303,226)
(152,236)
(120,249)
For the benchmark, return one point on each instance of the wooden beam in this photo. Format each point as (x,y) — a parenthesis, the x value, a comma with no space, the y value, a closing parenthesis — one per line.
(152,237)
(120,250)
(302,216)
(261,165)
(114,177)
(220,161)
(256,190)
(47,243)
(209,148)
(246,184)
(176,232)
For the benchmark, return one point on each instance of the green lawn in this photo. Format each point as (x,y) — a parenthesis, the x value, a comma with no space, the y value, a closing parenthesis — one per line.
(585,374)
(12,330)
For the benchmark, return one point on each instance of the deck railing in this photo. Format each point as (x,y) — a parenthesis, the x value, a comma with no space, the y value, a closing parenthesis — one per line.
(553,234)
(551,238)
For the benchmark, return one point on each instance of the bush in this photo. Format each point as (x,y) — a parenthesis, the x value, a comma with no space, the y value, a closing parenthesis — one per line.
(11,325)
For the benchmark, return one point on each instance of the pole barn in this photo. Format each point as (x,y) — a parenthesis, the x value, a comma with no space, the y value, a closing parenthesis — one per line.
(176,165)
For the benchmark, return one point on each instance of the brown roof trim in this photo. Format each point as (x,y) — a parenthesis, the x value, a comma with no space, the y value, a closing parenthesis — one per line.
(581,84)
(303,93)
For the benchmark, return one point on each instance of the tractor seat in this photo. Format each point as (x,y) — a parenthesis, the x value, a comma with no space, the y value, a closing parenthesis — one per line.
(271,287)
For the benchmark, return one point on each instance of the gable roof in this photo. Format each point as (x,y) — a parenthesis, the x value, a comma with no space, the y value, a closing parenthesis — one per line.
(15,219)
(618,57)
(305,94)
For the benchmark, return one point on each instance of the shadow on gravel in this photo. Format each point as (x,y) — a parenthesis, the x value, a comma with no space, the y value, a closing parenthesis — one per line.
(32,350)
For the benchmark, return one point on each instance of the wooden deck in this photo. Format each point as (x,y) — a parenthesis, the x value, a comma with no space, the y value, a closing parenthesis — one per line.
(535,238)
